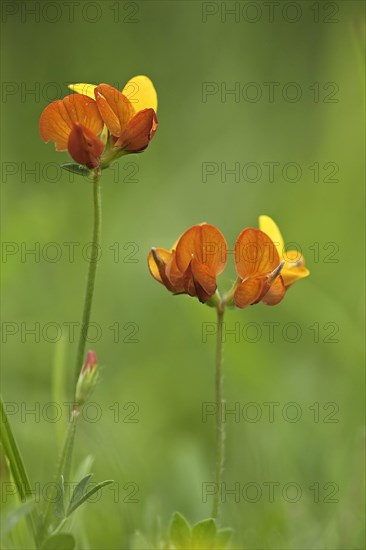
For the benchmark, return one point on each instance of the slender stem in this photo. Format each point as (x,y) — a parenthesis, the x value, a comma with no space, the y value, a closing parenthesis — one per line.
(64,464)
(220,428)
(91,274)
(17,467)
(63,469)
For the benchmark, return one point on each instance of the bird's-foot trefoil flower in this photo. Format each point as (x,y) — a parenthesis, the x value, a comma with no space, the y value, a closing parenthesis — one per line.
(129,116)
(265,270)
(99,124)
(193,263)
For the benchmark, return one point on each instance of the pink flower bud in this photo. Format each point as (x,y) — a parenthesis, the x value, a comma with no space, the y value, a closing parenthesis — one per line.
(87,379)
(90,362)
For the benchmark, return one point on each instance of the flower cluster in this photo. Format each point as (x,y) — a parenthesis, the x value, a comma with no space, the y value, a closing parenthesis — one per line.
(265,269)
(99,123)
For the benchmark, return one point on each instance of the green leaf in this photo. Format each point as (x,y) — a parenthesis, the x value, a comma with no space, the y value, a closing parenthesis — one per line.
(59,502)
(84,467)
(180,532)
(78,169)
(204,534)
(223,538)
(62,541)
(17,467)
(10,521)
(79,492)
(73,507)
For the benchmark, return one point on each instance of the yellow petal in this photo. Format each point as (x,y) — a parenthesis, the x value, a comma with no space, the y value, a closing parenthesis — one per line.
(294,268)
(86,89)
(268,226)
(141,93)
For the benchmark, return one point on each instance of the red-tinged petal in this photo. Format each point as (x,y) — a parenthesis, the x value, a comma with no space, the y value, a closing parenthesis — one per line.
(203,280)
(206,244)
(255,254)
(57,119)
(275,293)
(188,282)
(114,108)
(248,292)
(174,275)
(138,132)
(84,146)
(196,284)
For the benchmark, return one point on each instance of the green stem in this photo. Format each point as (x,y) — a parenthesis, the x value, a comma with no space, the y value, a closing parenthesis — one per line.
(64,464)
(63,469)
(93,262)
(17,467)
(220,428)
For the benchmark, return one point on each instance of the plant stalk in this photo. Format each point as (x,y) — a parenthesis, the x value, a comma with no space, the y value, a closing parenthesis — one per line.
(93,262)
(63,469)
(220,428)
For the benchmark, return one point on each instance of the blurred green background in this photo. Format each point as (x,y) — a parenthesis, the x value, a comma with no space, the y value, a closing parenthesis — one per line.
(169,371)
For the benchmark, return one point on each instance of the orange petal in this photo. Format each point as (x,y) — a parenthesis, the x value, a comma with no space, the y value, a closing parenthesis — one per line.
(174,275)
(248,292)
(255,254)
(206,244)
(114,108)
(203,279)
(195,281)
(84,146)
(138,132)
(57,119)
(55,127)
(275,293)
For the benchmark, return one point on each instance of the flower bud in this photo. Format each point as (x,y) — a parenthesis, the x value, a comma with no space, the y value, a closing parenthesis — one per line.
(87,379)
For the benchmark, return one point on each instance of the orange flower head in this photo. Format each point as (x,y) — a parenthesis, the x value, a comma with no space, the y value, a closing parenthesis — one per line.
(193,263)
(264,270)
(73,124)
(130,131)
